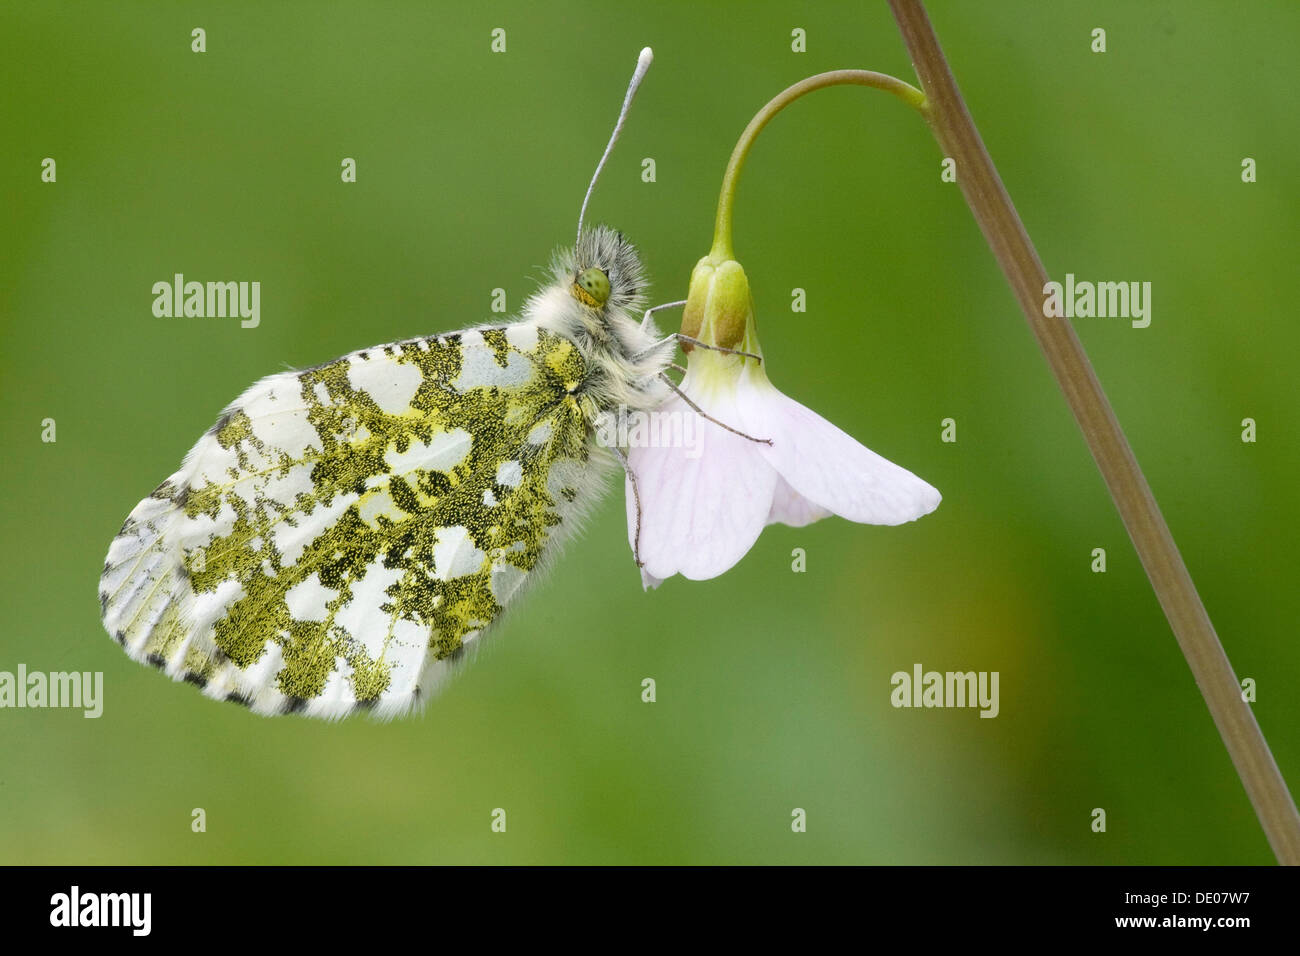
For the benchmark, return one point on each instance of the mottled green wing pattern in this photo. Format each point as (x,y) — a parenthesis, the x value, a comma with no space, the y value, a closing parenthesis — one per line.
(343,533)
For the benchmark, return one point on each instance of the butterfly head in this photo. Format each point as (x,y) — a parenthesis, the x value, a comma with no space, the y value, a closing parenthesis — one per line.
(591,288)
(604,272)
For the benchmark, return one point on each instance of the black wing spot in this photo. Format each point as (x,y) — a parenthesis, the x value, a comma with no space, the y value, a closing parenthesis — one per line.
(496,341)
(222,422)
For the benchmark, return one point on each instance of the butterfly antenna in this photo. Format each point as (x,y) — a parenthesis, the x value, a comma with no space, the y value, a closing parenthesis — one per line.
(642,65)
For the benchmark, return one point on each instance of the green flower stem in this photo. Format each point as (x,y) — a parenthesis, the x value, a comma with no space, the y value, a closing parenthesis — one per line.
(909,94)
(958,138)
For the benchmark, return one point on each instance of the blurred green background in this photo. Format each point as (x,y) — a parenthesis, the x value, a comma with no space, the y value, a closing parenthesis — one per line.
(773,687)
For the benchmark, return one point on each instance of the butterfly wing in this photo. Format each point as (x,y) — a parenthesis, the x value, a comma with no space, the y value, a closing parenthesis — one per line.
(342,533)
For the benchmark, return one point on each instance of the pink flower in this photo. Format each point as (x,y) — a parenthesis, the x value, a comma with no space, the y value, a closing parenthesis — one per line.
(703,506)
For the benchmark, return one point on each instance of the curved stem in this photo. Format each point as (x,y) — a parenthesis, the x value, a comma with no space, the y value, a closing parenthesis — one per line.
(881,81)
(1005,233)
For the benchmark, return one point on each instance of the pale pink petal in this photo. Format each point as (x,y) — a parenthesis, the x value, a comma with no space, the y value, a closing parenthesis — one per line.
(648,581)
(825,465)
(702,508)
(790,507)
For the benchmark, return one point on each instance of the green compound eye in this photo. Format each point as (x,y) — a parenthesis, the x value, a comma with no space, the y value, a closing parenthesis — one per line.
(592,287)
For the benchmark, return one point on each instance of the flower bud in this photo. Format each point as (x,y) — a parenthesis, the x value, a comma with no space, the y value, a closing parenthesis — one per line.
(719,308)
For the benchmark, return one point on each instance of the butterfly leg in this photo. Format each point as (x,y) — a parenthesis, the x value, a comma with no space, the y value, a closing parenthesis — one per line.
(716,348)
(636,499)
(681,337)
(645,323)
(707,417)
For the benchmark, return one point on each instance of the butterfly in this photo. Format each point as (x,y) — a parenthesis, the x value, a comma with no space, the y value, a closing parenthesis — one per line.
(343,534)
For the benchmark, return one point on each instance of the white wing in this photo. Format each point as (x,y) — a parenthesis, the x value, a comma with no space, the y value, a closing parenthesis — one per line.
(342,533)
